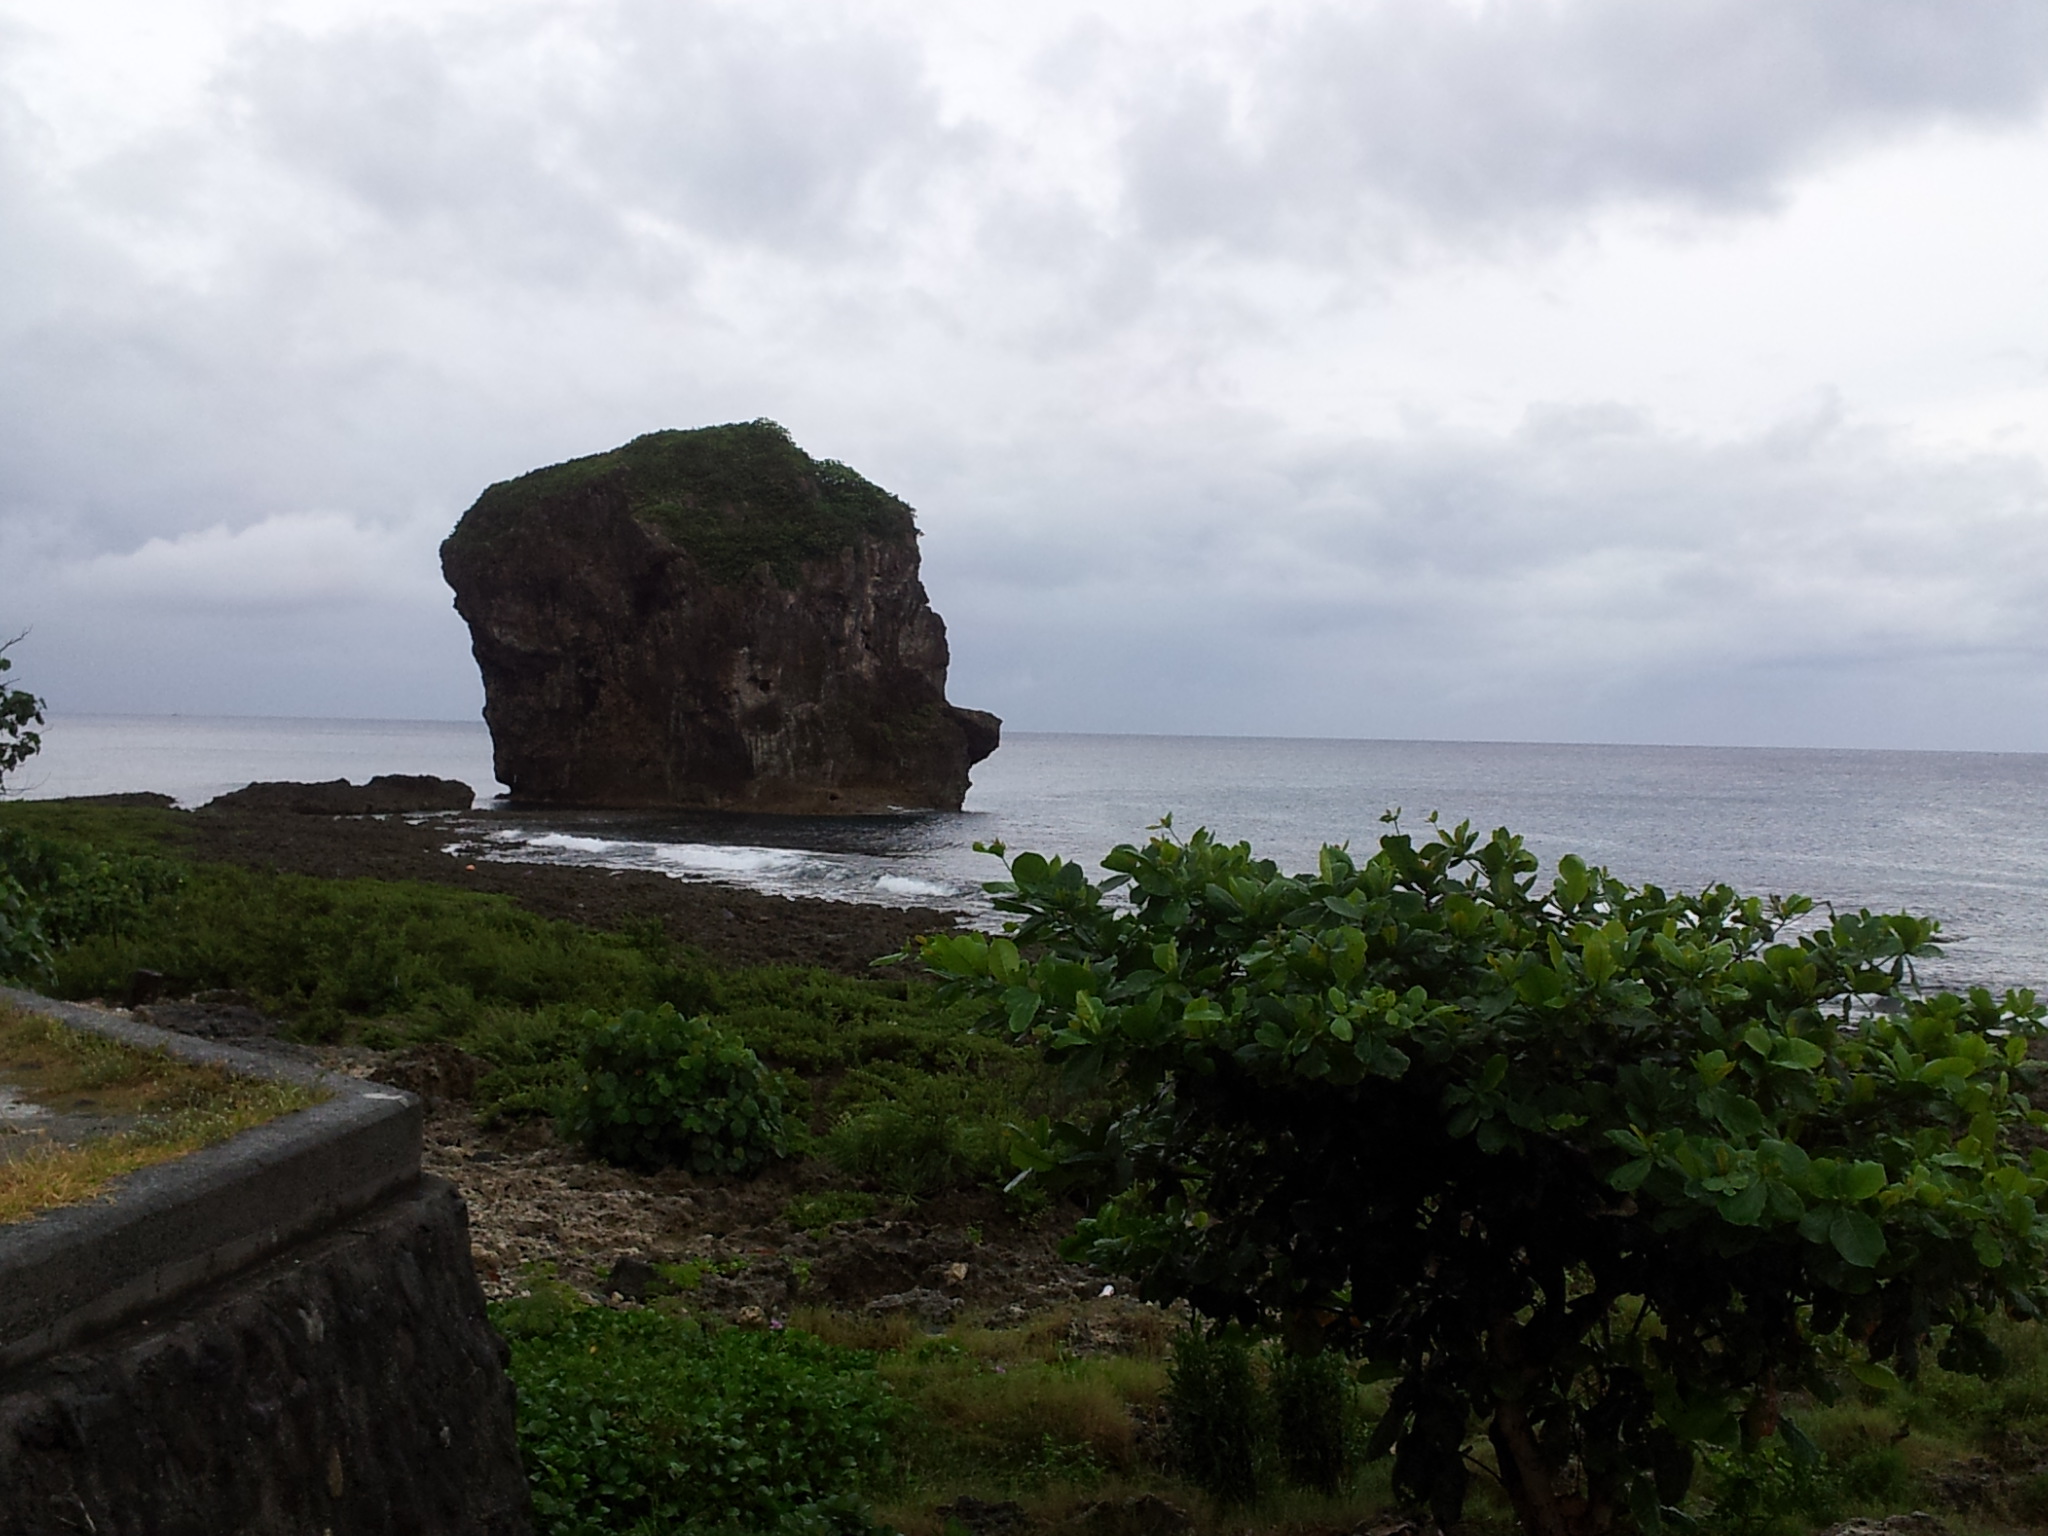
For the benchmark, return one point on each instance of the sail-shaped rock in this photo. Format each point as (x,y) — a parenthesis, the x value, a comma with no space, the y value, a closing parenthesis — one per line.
(710,619)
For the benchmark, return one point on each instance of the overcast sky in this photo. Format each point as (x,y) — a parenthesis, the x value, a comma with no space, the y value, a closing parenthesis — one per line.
(1582,370)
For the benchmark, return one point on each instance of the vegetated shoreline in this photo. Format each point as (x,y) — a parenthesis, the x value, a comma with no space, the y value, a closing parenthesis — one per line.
(729,924)
(541,1206)
(1029,1377)
(1033,1397)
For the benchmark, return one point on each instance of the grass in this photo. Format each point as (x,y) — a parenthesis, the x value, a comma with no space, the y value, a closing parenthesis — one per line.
(1031,1414)
(1016,1413)
(735,497)
(178,1108)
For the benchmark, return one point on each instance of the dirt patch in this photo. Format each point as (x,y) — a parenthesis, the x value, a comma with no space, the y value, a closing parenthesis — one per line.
(726,924)
(539,1205)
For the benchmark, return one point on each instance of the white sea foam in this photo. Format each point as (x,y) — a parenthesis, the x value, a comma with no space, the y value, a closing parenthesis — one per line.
(904,885)
(568,842)
(718,859)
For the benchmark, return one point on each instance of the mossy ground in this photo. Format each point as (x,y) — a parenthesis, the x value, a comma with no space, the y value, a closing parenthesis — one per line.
(173,1108)
(736,497)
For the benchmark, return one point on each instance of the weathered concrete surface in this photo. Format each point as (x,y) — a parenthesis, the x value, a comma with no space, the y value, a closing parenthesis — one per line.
(70,1273)
(350,1384)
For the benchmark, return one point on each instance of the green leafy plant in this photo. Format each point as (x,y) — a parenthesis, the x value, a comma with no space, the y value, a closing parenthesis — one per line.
(1217,1414)
(24,949)
(818,1213)
(1775,1487)
(635,1423)
(19,711)
(659,1089)
(1311,1394)
(1599,1169)
(56,892)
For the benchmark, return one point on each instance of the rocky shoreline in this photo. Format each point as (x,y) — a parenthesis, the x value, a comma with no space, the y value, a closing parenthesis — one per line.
(727,924)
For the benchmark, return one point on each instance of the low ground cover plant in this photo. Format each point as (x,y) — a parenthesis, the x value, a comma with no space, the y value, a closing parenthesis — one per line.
(55,893)
(1597,1171)
(640,1423)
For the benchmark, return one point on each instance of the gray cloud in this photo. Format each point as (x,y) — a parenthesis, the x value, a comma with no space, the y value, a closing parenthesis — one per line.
(1544,584)
(256,361)
(1371,126)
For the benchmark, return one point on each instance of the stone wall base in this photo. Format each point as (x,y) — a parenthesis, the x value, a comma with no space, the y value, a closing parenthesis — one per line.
(351,1384)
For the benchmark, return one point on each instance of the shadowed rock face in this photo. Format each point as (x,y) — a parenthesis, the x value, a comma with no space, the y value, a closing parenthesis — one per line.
(388,794)
(710,619)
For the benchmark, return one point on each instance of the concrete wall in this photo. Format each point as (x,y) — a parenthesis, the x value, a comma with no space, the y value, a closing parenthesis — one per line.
(282,1333)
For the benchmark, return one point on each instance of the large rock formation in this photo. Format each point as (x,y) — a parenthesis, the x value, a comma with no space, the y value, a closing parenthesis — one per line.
(388,794)
(712,619)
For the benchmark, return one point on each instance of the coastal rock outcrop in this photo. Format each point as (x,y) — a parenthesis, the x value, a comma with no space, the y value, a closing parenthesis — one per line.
(710,619)
(388,794)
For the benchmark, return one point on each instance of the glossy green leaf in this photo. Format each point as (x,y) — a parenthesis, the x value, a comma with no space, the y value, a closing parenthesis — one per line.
(1858,1239)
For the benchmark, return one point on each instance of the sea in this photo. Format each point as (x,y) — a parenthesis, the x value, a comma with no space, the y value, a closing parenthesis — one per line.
(1961,836)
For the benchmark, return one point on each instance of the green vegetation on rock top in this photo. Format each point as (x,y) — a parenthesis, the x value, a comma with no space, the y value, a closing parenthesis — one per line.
(735,497)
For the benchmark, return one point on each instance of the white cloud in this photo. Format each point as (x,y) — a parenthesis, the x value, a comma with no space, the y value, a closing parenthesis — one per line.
(1341,123)
(285,562)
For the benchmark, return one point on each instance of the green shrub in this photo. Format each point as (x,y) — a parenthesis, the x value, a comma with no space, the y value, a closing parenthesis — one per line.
(1778,1487)
(1311,1416)
(1218,1421)
(23,947)
(19,709)
(635,1423)
(659,1089)
(57,892)
(913,1150)
(1490,1134)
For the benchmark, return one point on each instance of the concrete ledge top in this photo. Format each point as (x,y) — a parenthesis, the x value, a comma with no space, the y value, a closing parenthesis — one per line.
(163,1231)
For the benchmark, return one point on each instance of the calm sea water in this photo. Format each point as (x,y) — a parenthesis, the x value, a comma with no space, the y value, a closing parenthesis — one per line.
(1962,836)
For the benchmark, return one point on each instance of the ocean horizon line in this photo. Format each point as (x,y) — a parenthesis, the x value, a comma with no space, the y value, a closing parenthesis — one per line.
(447,722)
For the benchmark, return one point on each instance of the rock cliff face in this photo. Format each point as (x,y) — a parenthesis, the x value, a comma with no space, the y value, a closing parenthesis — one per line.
(710,619)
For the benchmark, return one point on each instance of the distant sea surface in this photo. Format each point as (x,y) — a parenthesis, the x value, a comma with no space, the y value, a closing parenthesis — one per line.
(1961,836)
